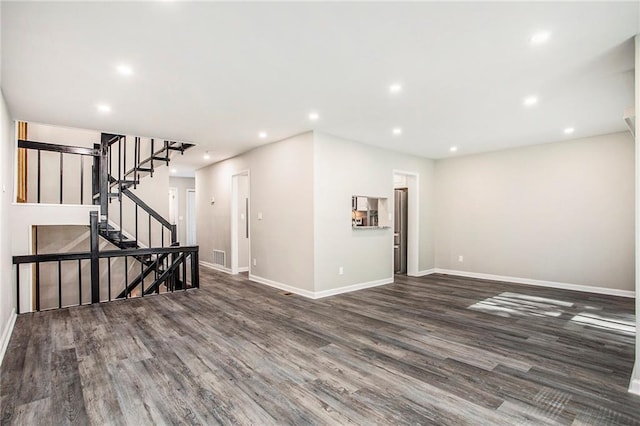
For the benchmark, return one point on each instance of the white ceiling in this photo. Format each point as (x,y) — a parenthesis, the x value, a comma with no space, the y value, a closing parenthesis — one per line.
(218,73)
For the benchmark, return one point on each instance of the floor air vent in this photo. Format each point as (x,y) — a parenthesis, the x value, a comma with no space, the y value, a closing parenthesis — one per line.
(219,258)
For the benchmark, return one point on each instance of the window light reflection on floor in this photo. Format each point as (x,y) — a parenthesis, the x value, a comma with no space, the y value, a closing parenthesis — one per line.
(515,304)
(624,325)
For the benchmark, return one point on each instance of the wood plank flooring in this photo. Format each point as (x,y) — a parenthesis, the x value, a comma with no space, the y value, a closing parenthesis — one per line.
(431,350)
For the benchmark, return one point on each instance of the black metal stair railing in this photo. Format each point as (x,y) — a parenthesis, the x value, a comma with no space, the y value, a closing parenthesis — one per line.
(117,168)
(173,268)
(64,151)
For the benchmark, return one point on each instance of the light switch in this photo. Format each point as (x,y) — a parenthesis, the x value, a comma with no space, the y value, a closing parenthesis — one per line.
(180,218)
(260,216)
(242,216)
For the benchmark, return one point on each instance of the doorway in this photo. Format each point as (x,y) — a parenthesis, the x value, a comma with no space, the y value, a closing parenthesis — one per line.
(240,232)
(405,256)
(400,230)
(191,217)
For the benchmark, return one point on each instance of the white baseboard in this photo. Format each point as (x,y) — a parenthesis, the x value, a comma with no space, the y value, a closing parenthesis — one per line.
(6,334)
(243,269)
(423,273)
(281,286)
(353,287)
(541,283)
(634,384)
(216,267)
(323,293)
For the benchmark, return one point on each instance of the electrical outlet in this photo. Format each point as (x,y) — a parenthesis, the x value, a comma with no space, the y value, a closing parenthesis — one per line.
(254,262)
(460,258)
(341,271)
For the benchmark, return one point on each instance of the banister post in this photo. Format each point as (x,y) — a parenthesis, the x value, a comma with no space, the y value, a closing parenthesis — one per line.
(95,261)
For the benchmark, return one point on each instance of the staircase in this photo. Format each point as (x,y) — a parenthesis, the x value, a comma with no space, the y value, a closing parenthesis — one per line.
(114,183)
(138,232)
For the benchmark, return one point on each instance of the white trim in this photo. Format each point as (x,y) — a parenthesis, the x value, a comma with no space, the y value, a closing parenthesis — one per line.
(176,209)
(541,283)
(243,269)
(425,272)
(281,286)
(353,287)
(216,267)
(413,220)
(320,294)
(190,223)
(6,334)
(234,219)
(634,384)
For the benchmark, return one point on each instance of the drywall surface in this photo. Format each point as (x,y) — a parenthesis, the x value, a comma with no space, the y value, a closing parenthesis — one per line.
(7,289)
(281,222)
(560,212)
(343,169)
(182,184)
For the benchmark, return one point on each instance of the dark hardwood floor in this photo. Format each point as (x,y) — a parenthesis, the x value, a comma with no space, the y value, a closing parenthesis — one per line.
(432,350)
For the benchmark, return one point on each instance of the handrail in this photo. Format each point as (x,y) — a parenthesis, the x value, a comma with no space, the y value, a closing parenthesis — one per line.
(164,222)
(54,257)
(65,149)
(172,273)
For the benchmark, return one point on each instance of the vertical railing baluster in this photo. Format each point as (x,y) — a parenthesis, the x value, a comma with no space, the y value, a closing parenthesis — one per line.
(37,286)
(119,159)
(149,231)
(136,142)
(59,284)
(184,270)
(137,224)
(142,272)
(82,179)
(126,279)
(80,282)
(18,287)
(162,236)
(151,174)
(195,271)
(109,278)
(39,175)
(124,157)
(61,170)
(95,260)
(120,203)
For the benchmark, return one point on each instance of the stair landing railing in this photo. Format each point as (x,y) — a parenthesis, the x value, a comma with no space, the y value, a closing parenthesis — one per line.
(169,269)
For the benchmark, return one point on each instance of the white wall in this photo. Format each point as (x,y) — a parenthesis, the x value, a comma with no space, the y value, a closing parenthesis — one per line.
(182,184)
(559,212)
(7,289)
(281,190)
(342,169)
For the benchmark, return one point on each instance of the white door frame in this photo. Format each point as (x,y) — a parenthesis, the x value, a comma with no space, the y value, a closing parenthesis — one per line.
(176,210)
(413,222)
(234,220)
(188,221)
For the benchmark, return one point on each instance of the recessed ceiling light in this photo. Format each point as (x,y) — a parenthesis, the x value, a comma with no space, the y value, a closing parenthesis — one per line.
(262,135)
(569,130)
(540,37)
(530,101)
(453,149)
(103,108)
(313,116)
(174,171)
(206,155)
(124,69)
(395,88)
(397,131)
